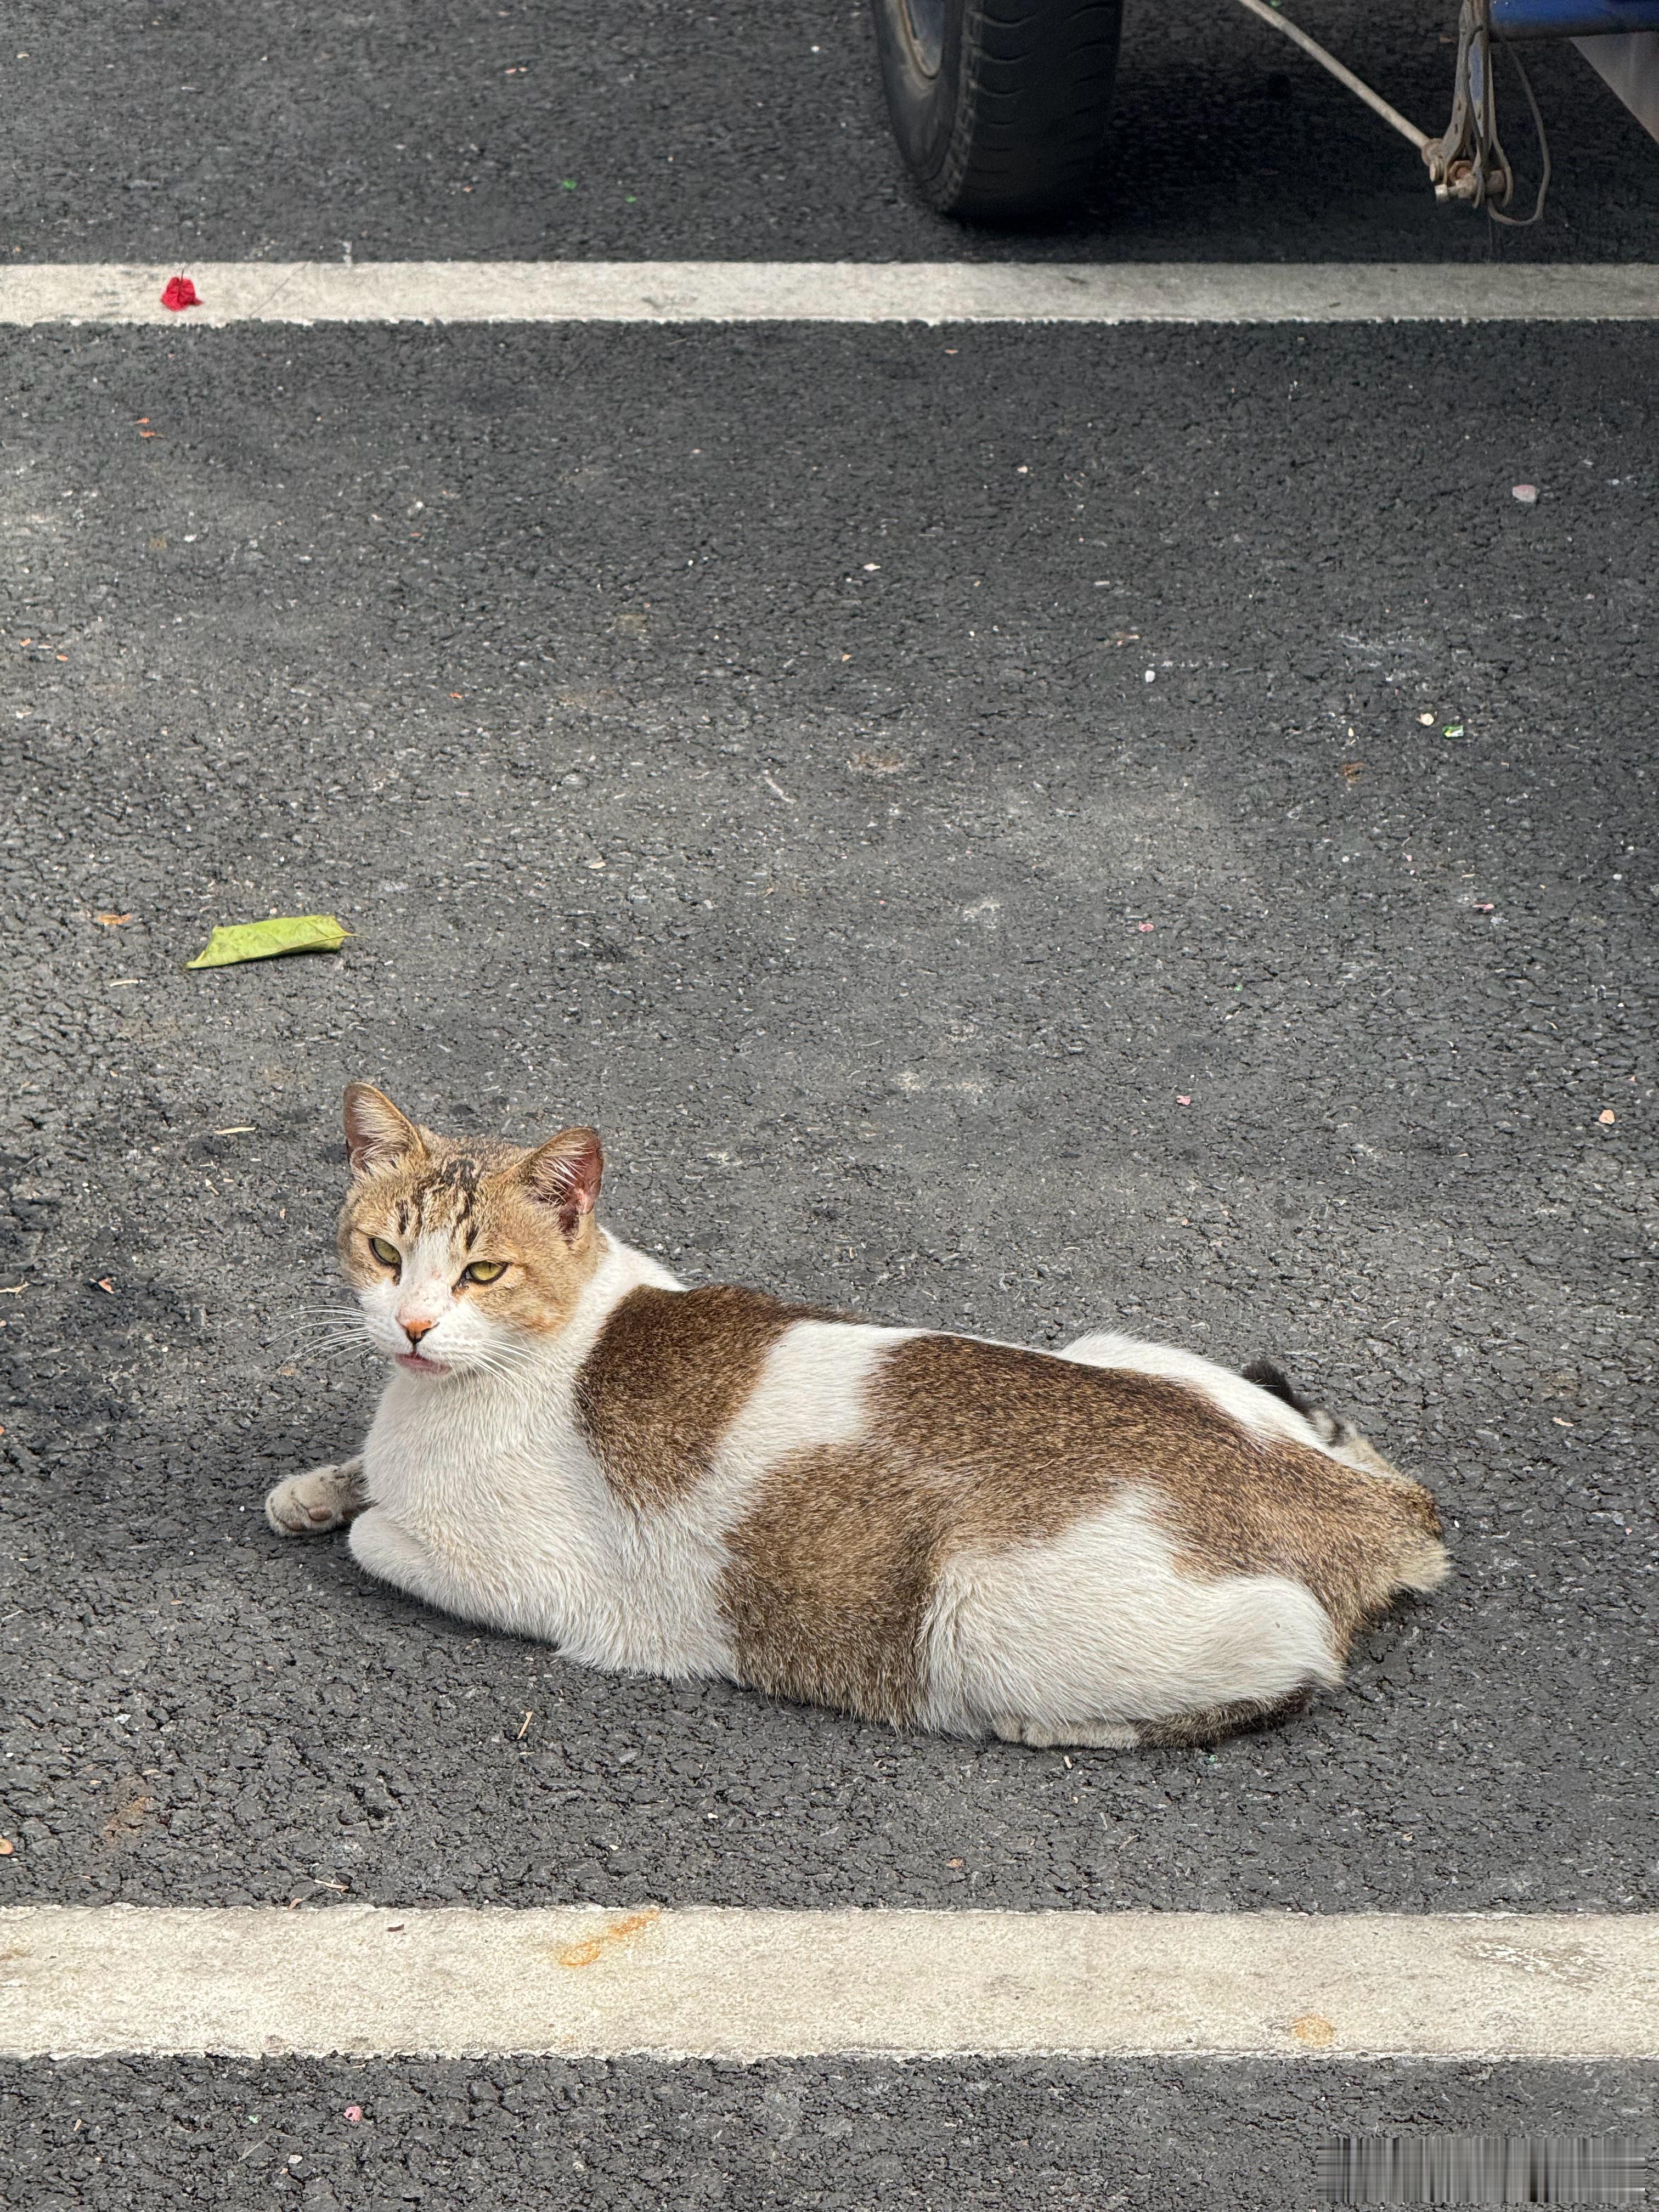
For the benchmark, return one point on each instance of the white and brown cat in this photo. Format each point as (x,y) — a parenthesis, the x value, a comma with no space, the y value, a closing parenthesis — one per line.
(1114,1544)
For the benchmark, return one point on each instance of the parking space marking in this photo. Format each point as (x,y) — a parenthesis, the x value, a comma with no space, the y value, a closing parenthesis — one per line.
(931,292)
(97,1981)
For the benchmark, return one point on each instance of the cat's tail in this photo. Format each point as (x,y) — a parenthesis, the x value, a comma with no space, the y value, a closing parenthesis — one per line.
(1331,1429)
(1421,1561)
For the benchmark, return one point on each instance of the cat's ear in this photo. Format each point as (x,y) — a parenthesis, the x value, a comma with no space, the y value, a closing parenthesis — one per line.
(564,1173)
(377,1137)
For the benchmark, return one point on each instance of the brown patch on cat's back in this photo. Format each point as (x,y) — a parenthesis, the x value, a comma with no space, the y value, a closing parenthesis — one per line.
(668,1374)
(1030,1444)
(1015,1450)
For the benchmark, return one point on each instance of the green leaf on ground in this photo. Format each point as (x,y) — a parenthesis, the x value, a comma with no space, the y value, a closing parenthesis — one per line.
(263,940)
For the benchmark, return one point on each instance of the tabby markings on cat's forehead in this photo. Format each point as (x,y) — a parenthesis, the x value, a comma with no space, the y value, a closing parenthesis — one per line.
(449,1192)
(447,1195)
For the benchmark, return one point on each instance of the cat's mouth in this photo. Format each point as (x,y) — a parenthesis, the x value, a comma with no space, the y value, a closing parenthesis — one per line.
(415,1363)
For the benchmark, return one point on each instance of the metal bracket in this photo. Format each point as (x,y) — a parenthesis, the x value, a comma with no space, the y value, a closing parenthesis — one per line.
(1467,162)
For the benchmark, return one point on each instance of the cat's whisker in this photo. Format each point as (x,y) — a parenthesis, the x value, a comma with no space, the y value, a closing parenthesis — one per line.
(519,1352)
(498,1370)
(321,1328)
(495,1360)
(519,1388)
(322,1348)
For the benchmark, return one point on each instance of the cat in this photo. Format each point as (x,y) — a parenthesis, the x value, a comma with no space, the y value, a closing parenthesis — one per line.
(1114,1545)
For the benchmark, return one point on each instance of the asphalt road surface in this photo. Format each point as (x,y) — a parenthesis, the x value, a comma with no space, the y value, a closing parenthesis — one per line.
(666,130)
(1018,829)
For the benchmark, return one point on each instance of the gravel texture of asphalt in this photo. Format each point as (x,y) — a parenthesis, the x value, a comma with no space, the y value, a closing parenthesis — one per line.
(561,2135)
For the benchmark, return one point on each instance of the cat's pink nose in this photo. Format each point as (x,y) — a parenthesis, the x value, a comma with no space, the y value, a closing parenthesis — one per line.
(415,1330)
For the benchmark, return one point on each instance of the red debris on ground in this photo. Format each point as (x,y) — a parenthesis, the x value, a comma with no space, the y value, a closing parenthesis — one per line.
(180,293)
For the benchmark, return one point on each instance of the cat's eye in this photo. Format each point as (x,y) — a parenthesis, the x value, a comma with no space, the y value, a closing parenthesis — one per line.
(386,1252)
(484,1271)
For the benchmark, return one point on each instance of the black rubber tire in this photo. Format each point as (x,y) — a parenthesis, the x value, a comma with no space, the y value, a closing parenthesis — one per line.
(1000,107)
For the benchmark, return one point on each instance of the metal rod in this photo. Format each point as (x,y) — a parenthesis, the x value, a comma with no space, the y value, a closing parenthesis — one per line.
(1374,100)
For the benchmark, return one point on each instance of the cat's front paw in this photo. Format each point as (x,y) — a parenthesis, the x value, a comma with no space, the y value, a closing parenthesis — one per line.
(311,1504)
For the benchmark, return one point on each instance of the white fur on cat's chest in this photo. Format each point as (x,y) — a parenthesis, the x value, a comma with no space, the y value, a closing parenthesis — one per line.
(524,1533)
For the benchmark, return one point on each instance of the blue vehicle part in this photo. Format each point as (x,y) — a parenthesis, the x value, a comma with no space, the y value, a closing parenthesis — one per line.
(1571,19)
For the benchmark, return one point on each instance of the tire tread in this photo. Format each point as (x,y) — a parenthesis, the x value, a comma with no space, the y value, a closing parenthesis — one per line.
(1032,111)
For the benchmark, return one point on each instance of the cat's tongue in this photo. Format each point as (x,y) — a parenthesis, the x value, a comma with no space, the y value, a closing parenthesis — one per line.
(412,1364)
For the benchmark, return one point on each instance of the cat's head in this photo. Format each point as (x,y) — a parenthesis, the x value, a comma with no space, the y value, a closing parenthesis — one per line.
(460,1251)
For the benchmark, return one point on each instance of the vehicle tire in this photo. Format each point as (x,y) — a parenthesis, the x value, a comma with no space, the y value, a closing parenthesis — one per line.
(1000,107)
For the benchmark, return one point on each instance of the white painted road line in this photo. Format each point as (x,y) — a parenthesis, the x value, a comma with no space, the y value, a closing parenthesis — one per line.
(705,1983)
(833,292)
